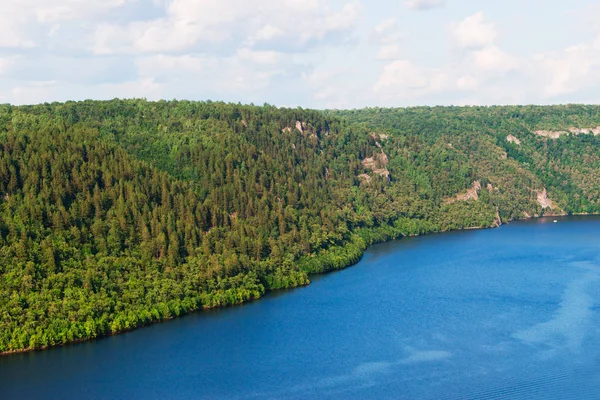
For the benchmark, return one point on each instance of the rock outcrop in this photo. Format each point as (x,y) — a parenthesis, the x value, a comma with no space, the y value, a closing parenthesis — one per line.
(379,136)
(470,194)
(570,131)
(543,200)
(584,131)
(378,164)
(364,178)
(551,134)
(513,139)
(300,126)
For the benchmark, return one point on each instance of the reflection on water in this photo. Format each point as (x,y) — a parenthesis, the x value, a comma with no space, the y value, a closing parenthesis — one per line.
(570,324)
(509,313)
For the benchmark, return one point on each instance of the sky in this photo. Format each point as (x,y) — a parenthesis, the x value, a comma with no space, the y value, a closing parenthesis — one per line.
(307,53)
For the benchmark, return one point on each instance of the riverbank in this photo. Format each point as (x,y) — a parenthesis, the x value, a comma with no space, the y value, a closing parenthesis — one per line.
(464,312)
(329,260)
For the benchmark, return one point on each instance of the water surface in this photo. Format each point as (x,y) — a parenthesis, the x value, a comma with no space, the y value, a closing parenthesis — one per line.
(505,313)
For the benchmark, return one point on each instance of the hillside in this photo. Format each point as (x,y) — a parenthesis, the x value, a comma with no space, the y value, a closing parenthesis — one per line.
(115,214)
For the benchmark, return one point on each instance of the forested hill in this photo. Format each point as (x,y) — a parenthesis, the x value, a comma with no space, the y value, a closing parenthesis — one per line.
(114,214)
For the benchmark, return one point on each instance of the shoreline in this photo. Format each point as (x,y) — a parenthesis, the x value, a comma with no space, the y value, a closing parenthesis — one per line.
(493,226)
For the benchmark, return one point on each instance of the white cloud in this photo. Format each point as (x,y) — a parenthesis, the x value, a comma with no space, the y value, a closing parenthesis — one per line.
(152,37)
(387,35)
(13,23)
(6,63)
(259,57)
(474,32)
(402,76)
(296,30)
(473,68)
(189,23)
(423,4)
(166,56)
(467,83)
(389,52)
(36,92)
(571,70)
(301,52)
(143,87)
(267,32)
(152,67)
(401,73)
(343,19)
(33,92)
(491,58)
(328,85)
(487,74)
(68,69)
(64,10)
(25,23)
(386,32)
(403,82)
(246,72)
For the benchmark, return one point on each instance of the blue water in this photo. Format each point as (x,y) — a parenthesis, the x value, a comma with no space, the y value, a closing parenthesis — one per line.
(508,313)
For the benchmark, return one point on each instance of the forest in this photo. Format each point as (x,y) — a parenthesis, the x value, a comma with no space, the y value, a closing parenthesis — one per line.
(116,214)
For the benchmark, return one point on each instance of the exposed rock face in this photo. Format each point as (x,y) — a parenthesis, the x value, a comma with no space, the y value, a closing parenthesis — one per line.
(571,131)
(364,177)
(378,164)
(470,194)
(383,172)
(551,134)
(301,126)
(543,199)
(383,158)
(379,136)
(584,131)
(498,221)
(368,162)
(513,139)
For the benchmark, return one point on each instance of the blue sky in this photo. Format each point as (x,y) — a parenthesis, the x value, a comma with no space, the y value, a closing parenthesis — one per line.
(309,53)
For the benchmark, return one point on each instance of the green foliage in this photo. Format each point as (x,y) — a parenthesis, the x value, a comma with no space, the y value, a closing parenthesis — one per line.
(120,213)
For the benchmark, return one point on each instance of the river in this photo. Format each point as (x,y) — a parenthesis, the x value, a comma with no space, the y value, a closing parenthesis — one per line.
(511,313)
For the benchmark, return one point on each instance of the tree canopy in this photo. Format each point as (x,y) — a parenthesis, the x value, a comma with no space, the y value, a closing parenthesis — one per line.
(115,214)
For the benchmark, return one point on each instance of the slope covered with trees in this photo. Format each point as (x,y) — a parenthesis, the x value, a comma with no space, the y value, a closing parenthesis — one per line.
(115,214)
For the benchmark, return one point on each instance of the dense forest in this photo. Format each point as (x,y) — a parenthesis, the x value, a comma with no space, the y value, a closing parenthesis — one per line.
(115,214)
